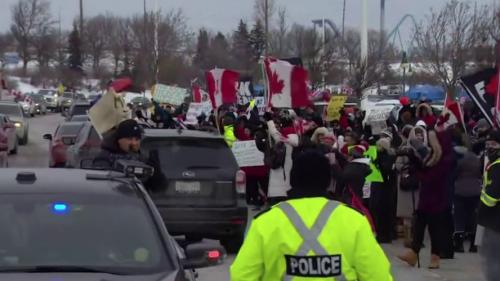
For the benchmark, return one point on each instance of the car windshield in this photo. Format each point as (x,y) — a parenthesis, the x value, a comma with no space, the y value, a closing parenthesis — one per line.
(109,233)
(180,154)
(37,98)
(80,118)
(69,129)
(80,110)
(11,110)
(68,95)
(46,92)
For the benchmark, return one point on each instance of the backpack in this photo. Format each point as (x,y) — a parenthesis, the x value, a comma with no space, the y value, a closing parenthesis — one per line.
(275,158)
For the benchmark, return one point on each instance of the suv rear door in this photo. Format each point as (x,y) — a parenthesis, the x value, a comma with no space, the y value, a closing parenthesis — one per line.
(191,172)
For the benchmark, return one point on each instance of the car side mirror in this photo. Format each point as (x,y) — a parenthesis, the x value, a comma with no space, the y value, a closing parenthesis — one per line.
(200,256)
(47,137)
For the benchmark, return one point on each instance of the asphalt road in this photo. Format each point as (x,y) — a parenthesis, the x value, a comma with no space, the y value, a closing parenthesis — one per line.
(465,267)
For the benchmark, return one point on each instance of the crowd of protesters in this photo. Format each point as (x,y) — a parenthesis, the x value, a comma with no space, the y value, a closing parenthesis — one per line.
(418,173)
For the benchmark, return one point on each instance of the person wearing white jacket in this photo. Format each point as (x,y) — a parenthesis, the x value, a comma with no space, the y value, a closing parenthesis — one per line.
(279,179)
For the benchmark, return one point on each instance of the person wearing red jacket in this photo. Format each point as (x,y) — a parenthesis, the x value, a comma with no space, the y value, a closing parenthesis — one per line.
(257,176)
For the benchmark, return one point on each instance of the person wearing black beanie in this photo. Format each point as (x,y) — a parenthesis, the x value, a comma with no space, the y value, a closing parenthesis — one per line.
(310,175)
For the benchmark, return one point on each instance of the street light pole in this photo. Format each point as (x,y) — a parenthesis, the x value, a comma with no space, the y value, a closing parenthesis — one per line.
(81,18)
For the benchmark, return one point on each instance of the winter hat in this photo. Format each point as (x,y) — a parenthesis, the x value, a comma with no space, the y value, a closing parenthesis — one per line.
(357,151)
(404,100)
(386,133)
(318,133)
(128,129)
(310,174)
(421,123)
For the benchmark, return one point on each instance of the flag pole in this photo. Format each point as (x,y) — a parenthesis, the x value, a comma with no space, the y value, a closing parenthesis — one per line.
(267,94)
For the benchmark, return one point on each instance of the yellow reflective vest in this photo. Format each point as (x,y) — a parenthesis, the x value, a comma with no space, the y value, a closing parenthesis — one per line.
(229,136)
(376,175)
(340,245)
(485,198)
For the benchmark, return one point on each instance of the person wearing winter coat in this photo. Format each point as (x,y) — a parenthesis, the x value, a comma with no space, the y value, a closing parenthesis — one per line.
(434,152)
(279,179)
(425,113)
(383,193)
(466,197)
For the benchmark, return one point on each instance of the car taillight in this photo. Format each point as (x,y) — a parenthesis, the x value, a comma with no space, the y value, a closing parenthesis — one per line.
(241,182)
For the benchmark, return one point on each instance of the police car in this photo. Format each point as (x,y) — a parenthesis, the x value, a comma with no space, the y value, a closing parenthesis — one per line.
(89,225)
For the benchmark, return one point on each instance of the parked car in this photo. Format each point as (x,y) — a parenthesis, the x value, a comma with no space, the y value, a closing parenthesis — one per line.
(198,187)
(64,136)
(51,98)
(87,146)
(9,131)
(16,114)
(65,101)
(80,97)
(77,108)
(40,104)
(74,224)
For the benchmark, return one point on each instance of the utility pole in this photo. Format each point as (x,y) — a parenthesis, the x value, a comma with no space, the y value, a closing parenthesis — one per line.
(266,23)
(364,32)
(382,27)
(81,18)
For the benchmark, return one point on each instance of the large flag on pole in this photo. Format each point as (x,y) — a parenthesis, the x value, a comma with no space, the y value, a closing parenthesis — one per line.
(482,87)
(287,84)
(222,86)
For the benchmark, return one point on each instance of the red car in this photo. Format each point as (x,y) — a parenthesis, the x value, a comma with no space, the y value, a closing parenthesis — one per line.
(64,136)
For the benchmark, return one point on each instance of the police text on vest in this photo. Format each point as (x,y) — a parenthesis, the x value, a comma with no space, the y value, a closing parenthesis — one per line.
(313,266)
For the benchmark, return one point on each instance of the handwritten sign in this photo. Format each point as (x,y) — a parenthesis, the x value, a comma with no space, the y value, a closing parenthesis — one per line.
(247,154)
(168,94)
(376,118)
(334,106)
(108,112)
(197,109)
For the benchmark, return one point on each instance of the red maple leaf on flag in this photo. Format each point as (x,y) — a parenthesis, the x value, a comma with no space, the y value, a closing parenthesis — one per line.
(275,84)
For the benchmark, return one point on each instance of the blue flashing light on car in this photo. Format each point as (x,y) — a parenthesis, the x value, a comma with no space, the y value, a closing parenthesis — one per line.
(60,208)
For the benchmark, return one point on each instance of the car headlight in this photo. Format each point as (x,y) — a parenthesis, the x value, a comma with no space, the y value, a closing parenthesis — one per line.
(36,104)
(18,125)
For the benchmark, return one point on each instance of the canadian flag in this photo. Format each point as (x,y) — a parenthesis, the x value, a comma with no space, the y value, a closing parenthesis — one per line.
(199,95)
(222,86)
(287,84)
(451,115)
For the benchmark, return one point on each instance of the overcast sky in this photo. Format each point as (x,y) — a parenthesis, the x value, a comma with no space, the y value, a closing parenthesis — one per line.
(224,15)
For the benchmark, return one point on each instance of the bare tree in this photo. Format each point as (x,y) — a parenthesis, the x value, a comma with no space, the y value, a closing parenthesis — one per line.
(277,40)
(96,38)
(29,17)
(44,43)
(445,40)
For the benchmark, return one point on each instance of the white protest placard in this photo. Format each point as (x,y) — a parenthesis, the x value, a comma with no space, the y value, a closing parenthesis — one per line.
(247,154)
(260,103)
(376,118)
(195,110)
(168,94)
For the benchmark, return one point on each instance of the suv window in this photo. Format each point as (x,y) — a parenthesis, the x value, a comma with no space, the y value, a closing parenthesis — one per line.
(68,129)
(109,232)
(80,109)
(179,154)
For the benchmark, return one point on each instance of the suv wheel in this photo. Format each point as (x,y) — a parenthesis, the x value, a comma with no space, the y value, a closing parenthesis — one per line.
(24,140)
(233,244)
(16,145)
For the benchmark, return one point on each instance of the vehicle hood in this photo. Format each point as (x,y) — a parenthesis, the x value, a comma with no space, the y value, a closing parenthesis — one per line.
(17,119)
(85,277)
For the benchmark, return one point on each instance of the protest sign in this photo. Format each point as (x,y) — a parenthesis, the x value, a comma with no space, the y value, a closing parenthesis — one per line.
(247,154)
(108,112)
(168,94)
(195,110)
(260,103)
(376,118)
(334,106)
(245,91)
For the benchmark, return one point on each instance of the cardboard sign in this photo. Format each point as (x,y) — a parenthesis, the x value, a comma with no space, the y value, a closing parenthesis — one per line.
(334,106)
(260,103)
(108,112)
(168,94)
(195,110)
(376,118)
(247,154)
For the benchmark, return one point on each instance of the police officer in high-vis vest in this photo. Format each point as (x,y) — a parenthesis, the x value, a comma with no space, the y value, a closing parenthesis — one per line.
(489,209)
(309,236)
